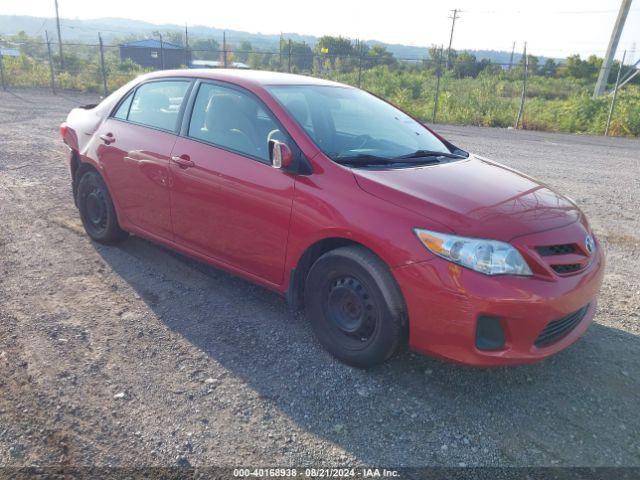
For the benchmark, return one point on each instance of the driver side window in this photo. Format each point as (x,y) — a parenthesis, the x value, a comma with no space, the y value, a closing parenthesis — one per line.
(233,120)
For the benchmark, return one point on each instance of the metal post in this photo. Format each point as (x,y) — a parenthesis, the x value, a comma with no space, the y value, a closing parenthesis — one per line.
(224,49)
(53,83)
(59,37)
(524,86)
(603,76)
(104,70)
(360,54)
(615,94)
(4,85)
(513,50)
(187,56)
(453,25)
(438,75)
(161,51)
(289,58)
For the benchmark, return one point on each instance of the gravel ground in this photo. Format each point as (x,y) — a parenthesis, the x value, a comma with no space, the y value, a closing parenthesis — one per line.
(133,355)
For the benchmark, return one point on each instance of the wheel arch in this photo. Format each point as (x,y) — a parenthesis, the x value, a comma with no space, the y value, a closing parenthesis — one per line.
(298,273)
(79,168)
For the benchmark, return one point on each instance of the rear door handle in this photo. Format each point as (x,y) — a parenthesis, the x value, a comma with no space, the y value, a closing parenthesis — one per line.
(107,138)
(183,161)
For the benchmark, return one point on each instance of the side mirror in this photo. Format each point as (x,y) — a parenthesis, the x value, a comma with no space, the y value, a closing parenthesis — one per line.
(281,154)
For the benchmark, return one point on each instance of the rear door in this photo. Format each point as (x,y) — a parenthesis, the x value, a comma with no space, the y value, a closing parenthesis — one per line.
(227,201)
(136,146)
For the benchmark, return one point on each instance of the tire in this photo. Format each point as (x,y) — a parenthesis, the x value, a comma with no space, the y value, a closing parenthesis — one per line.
(355,307)
(96,210)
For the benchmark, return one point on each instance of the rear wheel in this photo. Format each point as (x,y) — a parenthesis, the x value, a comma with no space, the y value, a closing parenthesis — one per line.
(355,307)
(96,210)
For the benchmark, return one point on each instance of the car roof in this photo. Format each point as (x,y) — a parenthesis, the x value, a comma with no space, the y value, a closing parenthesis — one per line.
(256,78)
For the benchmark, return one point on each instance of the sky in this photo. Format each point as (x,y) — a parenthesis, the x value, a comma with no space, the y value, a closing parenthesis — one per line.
(551,27)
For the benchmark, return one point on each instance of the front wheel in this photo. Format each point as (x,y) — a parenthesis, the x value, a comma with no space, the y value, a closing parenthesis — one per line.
(355,307)
(97,211)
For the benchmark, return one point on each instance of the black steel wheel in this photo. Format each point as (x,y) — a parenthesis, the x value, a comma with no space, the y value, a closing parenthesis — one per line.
(355,307)
(352,313)
(96,210)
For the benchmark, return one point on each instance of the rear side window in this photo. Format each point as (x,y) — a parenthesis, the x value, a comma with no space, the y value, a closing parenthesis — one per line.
(157,104)
(123,109)
(233,120)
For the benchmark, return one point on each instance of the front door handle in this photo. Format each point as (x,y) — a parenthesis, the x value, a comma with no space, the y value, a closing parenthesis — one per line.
(107,138)
(183,161)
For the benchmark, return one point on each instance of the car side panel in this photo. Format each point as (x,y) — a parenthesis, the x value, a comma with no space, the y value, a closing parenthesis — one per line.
(136,166)
(332,206)
(232,208)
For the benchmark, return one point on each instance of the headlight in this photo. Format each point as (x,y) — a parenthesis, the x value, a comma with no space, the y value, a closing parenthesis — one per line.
(490,257)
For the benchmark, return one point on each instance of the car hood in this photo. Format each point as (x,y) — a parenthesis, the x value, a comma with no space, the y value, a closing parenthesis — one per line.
(473,197)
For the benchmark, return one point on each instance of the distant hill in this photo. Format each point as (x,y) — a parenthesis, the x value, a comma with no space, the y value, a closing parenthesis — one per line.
(86,31)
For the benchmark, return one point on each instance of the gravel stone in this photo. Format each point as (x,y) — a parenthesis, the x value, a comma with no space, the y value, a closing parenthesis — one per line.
(182,322)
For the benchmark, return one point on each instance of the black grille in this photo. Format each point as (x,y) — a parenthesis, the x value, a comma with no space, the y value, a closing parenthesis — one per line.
(557,329)
(549,250)
(568,268)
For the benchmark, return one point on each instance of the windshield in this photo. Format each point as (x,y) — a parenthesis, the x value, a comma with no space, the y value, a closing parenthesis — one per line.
(349,124)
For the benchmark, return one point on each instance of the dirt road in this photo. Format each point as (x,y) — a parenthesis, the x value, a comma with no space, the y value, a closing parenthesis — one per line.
(133,355)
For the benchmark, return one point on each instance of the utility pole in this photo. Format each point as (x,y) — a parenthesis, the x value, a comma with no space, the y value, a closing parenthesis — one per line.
(224,49)
(59,36)
(104,71)
(453,18)
(359,63)
(615,94)
(436,99)
(524,86)
(2,79)
(161,51)
(4,85)
(603,77)
(187,56)
(513,50)
(53,81)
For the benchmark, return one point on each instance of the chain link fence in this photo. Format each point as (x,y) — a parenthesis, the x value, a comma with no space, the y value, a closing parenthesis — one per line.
(461,90)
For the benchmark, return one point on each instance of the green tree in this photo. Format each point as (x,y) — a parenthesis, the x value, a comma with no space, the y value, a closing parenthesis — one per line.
(205,49)
(465,65)
(29,46)
(379,55)
(244,49)
(334,46)
(172,36)
(549,68)
(301,56)
(339,52)
(577,68)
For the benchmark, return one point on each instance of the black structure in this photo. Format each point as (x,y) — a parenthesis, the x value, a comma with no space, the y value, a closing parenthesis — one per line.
(152,53)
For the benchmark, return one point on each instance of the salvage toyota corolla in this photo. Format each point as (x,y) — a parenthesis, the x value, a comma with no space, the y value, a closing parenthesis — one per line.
(388,235)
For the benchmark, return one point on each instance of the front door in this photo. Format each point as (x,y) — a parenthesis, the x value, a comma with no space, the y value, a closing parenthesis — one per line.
(227,201)
(135,152)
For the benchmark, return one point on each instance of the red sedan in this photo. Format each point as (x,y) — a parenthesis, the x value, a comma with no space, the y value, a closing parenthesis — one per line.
(388,235)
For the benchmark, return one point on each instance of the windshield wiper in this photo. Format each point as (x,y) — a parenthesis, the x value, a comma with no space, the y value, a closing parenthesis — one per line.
(431,153)
(364,159)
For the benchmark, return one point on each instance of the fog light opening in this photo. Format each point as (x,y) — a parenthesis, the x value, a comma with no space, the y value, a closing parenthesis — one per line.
(489,334)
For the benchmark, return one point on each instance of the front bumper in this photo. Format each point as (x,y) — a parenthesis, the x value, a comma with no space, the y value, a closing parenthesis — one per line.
(445,300)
